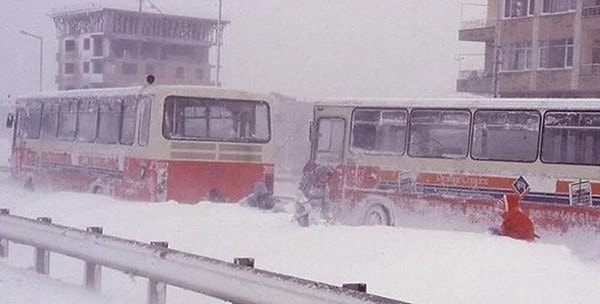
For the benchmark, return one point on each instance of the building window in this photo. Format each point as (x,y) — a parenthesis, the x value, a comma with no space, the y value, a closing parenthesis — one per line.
(86,44)
(129,68)
(555,54)
(555,6)
(97,66)
(516,56)
(97,45)
(69,68)
(179,73)
(199,73)
(70,45)
(596,52)
(86,67)
(518,8)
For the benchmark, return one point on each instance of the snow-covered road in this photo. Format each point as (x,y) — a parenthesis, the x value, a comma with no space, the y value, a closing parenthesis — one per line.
(418,266)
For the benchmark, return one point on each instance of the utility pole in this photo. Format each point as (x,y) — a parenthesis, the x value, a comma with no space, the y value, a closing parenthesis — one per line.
(497,61)
(41,39)
(218,82)
(140,7)
(496,70)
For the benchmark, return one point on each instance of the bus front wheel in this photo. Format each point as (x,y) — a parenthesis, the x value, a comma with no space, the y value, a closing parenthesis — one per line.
(377,215)
(99,190)
(29,185)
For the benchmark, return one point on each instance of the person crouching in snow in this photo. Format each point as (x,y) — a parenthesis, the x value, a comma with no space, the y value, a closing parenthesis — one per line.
(515,223)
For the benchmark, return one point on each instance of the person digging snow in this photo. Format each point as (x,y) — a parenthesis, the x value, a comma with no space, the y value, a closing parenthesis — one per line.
(515,223)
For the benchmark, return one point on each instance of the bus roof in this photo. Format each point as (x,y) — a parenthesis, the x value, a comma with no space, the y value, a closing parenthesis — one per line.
(480,103)
(192,90)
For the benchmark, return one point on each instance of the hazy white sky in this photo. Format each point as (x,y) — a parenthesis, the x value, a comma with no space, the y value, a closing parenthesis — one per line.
(303,48)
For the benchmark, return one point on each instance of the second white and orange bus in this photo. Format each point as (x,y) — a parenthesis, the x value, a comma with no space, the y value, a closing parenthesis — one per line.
(152,143)
(437,162)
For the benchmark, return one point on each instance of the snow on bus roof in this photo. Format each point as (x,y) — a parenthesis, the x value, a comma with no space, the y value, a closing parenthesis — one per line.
(192,90)
(482,102)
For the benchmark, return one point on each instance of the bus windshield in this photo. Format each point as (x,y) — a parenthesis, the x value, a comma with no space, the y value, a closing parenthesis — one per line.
(195,118)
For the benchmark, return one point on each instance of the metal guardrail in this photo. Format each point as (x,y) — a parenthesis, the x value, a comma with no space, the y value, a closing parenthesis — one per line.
(226,281)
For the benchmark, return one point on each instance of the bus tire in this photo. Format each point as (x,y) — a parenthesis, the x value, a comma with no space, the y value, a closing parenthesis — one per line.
(377,215)
(215,196)
(29,185)
(98,190)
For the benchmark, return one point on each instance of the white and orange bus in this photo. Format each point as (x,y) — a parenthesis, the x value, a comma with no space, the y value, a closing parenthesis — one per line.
(431,163)
(152,143)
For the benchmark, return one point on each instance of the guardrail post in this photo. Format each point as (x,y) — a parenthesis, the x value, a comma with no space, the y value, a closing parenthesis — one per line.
(248,262)
(360,287)
(4,242)
(42,256)
(157,291)
(92,273)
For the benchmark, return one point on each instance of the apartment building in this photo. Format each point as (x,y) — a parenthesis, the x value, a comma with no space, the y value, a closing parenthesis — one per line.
(103,47)
(536,48)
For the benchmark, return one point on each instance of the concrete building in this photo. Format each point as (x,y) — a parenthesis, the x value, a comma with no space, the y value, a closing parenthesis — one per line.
(536,48)
(102,47)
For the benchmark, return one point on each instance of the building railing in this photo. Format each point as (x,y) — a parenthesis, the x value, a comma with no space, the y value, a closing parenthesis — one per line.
(477,23)
(590,9)
(473,74)
(237,282)
(590,70)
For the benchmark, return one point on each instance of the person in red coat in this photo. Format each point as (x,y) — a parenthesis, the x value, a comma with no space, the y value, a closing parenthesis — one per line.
(515,223)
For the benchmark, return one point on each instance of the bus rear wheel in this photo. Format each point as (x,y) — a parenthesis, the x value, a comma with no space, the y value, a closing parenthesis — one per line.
(29,185)
(377,215)
(98,190)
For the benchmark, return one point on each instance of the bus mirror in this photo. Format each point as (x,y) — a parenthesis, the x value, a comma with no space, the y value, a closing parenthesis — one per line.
(10,119)
(313,136)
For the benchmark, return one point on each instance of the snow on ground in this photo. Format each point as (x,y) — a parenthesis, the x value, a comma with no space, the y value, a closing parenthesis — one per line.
(4,151)
(419,266)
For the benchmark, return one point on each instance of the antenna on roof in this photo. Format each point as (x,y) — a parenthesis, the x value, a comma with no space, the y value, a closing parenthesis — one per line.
(152,5)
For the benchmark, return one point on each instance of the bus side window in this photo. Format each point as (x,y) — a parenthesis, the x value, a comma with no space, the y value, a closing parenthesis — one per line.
(379,131)
(261,122)
(67,120)
(109,125)
(128,120)
(439,134)
(49,125)
(144,132)
(571,138)
(87,124)
(31,122)
(493,130)
(331,140)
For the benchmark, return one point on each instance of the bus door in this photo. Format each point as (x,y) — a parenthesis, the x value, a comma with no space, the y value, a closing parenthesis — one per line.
(13,121)
(327,137)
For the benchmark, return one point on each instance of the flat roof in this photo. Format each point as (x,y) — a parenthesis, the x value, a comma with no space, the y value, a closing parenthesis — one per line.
(78,11)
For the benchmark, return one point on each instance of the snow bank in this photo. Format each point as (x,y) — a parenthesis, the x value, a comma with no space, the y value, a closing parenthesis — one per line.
(419,266)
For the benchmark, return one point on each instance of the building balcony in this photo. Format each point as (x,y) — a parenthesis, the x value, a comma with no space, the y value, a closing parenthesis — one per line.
(589,77)
(474,81)
(590,9)
(480,30)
